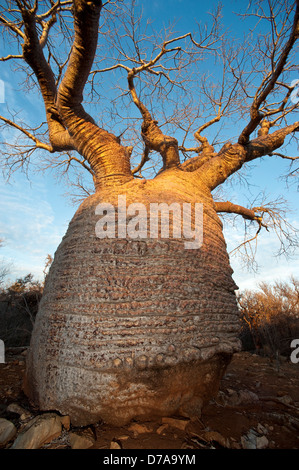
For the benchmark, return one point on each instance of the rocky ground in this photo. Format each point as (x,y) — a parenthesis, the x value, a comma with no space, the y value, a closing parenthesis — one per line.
(257,408)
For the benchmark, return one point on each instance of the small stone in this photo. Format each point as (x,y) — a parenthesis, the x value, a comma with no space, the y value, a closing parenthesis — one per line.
(286,400)
(162,428)
(7,431)
(39,431)
(139,429)
(246,396)
(176,423)
(82,440)
(247,444)
(215,436)
(115,445)
(233,399)
(17,409)
(248,441)
(262,442)
(66,422)
(281,393)
(261,429)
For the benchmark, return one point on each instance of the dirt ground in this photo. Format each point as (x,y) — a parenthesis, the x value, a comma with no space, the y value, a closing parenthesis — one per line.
(257,407)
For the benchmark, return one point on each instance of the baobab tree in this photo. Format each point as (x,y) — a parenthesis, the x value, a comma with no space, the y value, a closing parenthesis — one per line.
(133,326)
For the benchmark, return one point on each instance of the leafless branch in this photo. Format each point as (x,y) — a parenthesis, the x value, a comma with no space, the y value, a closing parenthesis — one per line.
(145,158)
(278,57)
(38,143)
(273,217)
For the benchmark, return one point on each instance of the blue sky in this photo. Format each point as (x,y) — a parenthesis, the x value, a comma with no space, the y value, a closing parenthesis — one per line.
(34,211)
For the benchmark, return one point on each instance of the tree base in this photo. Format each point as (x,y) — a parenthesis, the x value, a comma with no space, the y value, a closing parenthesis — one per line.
(116,397)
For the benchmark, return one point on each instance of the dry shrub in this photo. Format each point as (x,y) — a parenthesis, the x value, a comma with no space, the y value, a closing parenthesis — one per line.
(18,307)
(270,317)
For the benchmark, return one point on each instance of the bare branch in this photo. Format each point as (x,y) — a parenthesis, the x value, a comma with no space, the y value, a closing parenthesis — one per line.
(10,56)
(46,29)
(33,54)
(266,144)
(269,82)
(56,7)
(145,158)
(12,27)
(38,143)
(273,217)
(256,213)
(152,135)
(281,155)
(233,156)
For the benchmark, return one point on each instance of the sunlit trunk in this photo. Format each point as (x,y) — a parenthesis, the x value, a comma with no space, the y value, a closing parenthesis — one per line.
(134,328)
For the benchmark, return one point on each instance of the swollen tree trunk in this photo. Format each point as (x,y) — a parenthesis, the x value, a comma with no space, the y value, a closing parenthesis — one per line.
(134,327)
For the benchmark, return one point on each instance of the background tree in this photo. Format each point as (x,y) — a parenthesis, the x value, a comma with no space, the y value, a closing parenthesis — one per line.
(137,327)
(270,317)
(4,269)
(18,308)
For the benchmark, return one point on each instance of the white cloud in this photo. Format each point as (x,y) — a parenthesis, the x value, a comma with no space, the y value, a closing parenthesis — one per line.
(27,224)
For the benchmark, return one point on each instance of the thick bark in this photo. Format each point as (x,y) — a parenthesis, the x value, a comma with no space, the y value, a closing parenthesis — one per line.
(166,145)
(130,328)
(232,157)
(152,135)
(230,208)
(266,144)
(34,56)
(108,159)
(70,127)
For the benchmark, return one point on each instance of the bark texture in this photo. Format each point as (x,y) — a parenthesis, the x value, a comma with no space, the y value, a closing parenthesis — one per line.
(134,328)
